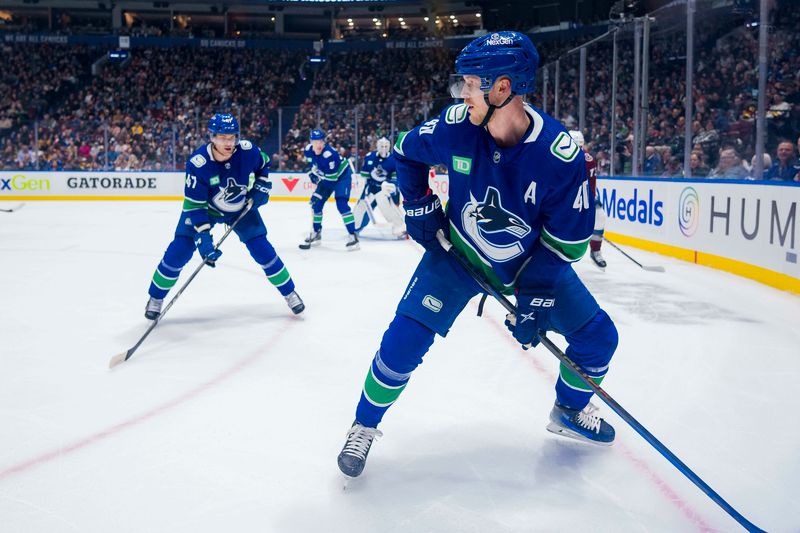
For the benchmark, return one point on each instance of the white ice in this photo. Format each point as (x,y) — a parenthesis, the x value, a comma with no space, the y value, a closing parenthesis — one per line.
(231,415)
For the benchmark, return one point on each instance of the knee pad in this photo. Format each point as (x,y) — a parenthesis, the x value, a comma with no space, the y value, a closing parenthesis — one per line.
(317,203)
(261,251)
(404,344)
(592,346)
(179,252)
(342,205)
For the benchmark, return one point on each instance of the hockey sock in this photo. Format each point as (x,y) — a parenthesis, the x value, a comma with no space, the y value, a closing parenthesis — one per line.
(401,351)
(262,251)
(347,215)
(591,348)
(178,253)
(317,220)
(595,242)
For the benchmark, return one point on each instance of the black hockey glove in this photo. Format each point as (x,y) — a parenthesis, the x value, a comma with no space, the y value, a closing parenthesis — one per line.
(424,217)
(260,192)
(205,245)
(533,310)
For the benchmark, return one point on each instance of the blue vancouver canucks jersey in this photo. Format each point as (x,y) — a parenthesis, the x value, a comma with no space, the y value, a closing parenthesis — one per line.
(219,189)
(378,168)
(508,207)
(328,165)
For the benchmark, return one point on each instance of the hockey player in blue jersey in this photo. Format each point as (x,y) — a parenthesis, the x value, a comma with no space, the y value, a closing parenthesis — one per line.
(520,212)
(216,191)
(380,189)
(332,175)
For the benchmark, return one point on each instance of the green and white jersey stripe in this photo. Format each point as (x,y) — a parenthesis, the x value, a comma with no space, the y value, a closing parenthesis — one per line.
(569,251)
(335,175)
(193,205)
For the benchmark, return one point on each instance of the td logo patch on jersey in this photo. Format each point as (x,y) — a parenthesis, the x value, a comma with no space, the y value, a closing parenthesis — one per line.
(496,231)
(231,197)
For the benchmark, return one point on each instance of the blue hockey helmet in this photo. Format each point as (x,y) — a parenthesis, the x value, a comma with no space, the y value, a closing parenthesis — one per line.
(317,135)
(502,53)
(223,123)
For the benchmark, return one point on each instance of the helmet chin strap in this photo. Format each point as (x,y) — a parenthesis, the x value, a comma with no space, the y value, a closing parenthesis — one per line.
(492,107)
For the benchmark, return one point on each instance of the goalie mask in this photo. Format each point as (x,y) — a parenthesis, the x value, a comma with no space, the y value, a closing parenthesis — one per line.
(384,147)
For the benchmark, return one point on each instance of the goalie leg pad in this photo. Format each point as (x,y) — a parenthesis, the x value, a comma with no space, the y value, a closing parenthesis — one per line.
(391,212)
(361,214)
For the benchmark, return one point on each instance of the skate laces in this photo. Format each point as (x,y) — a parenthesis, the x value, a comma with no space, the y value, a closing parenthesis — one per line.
(588,419)
(293,299)
(154,304)
(359,439)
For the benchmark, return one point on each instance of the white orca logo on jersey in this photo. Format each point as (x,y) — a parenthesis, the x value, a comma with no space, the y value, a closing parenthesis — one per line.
(230,198)
(481,219)
(378,173)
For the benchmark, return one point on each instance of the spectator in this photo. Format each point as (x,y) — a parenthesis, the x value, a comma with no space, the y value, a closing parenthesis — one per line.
(730,166)
(653,165)
(786,167)
(698,165)
(767,162)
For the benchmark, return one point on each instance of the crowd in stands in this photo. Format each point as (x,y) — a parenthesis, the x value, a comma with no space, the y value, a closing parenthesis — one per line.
(725,96)
(369,85)
(148,114)
(151,112)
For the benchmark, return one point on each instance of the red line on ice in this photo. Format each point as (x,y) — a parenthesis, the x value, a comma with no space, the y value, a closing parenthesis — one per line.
(638,463)
(143,417)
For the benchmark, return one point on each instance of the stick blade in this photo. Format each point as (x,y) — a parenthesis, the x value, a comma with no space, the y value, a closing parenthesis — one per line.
(654,268)
(118,359)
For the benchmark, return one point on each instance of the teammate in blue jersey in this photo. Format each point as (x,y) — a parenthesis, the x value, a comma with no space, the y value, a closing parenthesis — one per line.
(380,189)
(216,191)
(332,175)
(520,212)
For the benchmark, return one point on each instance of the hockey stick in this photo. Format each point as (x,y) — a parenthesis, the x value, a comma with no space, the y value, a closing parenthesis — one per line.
(645,267)
(124,356)
(611,402)
(12,209)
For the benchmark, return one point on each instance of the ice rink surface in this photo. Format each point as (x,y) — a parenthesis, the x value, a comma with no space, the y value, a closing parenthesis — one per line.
(231,414)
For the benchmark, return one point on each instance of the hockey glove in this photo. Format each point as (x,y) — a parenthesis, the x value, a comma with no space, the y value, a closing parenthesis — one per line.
(205,245)
(388,188)
(260,192)
(533,310)
(315,174)
(424,217)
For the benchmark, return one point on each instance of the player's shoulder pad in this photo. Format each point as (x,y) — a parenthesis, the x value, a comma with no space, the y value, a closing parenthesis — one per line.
(455,114)
(307,148)
(245,144)
(198,160)
(327,153)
